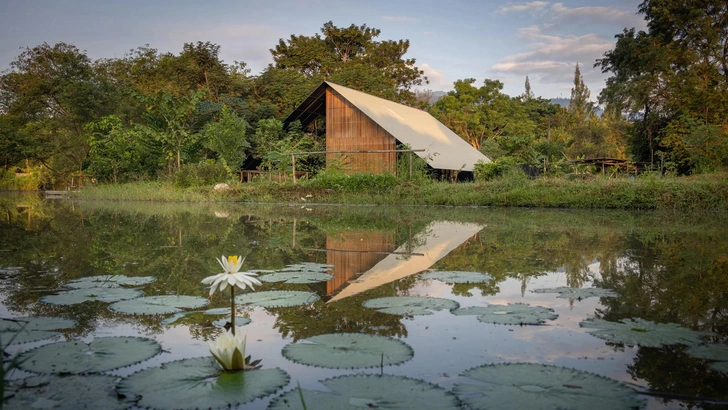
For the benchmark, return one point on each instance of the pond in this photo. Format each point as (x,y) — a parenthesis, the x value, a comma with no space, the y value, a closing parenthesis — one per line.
(431,307)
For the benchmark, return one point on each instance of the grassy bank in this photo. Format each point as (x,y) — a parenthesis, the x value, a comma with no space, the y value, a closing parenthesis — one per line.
(709,192)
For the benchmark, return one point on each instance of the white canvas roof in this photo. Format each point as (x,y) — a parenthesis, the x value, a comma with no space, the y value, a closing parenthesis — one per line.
(418,129)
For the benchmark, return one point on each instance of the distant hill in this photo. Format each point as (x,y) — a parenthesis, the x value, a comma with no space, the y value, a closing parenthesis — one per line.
(564,102)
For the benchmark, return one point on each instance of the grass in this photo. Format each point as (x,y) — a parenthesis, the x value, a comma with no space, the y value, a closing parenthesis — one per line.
(703,192)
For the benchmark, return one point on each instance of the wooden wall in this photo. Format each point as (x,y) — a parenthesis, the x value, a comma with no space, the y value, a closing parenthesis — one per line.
(347,128)
(349,264)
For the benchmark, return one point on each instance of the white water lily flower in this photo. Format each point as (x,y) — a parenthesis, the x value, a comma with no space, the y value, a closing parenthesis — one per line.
(229,350)
(231,265)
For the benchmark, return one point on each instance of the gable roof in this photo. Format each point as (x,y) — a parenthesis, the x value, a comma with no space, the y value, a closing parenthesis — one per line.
(443,148)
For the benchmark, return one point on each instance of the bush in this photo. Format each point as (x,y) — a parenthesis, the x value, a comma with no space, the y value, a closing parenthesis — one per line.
(494,169)
(203,173)
(335,179)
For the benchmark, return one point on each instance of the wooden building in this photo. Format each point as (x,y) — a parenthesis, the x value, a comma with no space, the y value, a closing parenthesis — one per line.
(356,121)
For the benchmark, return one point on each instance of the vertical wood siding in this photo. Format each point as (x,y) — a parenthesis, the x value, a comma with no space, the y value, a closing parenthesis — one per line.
(347,128)
(349,264)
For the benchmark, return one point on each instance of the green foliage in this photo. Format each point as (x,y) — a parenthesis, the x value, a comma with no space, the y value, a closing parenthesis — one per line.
(331,178)
(31,181)
(201,174)
(226,138)
(704,146)
(485,171)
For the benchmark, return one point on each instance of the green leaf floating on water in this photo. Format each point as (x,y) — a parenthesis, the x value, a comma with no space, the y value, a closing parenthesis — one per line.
(511,314)
(158,305)
(716,352)
(102,354)
(75,296)
(456,276)
(348,351)
(410,305)
(31,329)
(199,383)
(296,277)
(277,298)
(109,281)
(307,267)
(566,292)
(643,332)
(64,393)
(537,386)
(357,392)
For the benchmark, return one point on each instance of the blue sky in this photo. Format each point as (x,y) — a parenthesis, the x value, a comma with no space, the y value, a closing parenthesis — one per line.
(450,39)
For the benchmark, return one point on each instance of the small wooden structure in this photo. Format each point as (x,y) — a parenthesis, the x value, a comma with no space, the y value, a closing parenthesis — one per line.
(369,128)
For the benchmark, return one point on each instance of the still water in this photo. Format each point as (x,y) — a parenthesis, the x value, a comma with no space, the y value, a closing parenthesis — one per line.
(663,267)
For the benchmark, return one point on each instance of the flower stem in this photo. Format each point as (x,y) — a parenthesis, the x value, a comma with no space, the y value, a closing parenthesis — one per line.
(232,309)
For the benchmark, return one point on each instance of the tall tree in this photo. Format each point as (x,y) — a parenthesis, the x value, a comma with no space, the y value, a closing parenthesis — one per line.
(353,57)
(49,94)
(528,93)
(579,104)
(673,74)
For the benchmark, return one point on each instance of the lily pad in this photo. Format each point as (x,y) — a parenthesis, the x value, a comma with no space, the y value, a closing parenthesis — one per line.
(102,354)
(277,298)
(199,383)
(75,296)
(158,305)
(109,281)
(348,351)
(308,267)
(716,352)
(643,332)
(296,277)
(410,305)
(566,292)
(31,329)
(361,391)
(537,386)
(456,276)
(35,323)
(511,314)
(239,321)
(218,311)
(64,393)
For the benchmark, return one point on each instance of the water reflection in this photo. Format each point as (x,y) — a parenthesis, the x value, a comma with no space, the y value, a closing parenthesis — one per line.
(664,267)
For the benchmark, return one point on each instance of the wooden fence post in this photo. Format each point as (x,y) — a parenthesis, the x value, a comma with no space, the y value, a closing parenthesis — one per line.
(293,166)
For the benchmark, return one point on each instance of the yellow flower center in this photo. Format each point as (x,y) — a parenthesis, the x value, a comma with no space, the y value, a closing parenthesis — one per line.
(233,259)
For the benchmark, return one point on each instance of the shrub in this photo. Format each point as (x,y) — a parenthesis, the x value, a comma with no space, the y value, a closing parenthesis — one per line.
(487,171)
(203,173)
(335,179)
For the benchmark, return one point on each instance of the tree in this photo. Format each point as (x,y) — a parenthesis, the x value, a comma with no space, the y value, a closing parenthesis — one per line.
(226,138)
(675,70)
(480,114)
(528,94)
(48,95)
(579,103)
(352,57)
(170,119)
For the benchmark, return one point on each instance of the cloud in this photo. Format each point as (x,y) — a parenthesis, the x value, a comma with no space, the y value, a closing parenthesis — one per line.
(594,15)
(438,79)
(530,7)
(401,19)
(553,57)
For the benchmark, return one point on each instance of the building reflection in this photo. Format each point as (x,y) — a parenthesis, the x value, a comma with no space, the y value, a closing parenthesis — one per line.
(364,260)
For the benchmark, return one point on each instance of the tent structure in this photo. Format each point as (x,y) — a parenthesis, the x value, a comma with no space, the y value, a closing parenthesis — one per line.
(359,121)
(441,239)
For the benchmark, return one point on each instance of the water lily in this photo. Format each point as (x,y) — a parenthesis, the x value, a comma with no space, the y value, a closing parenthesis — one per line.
(232,275)
(229,350)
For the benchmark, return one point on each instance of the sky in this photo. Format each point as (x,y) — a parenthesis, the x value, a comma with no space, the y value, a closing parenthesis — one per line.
(449,39)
